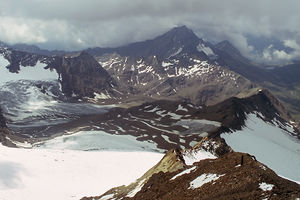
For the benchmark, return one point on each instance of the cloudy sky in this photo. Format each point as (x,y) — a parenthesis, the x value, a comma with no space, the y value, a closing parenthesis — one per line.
(77,24)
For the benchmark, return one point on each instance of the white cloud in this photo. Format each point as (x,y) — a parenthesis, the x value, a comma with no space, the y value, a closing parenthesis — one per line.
(292,44)
(19,30)
(272,55)
(72,24)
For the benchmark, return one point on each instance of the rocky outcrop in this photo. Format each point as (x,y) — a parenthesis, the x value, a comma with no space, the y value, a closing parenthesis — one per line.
(17,59)
(82,76)
(232,176)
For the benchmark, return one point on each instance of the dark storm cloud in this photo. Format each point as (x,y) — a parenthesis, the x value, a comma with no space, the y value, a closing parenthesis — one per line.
(71,24)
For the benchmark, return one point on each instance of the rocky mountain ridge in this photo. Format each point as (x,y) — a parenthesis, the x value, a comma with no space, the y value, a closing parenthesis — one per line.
(209,170)
(79,75)
(176,65)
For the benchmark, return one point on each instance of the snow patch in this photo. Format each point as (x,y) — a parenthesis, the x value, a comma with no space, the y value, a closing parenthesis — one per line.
(107,197)
(177,52)
(190,157)
(207,50)
(166,64)
(214,123)
(153,110)
(187,171)
(168,139)
(204,178)
(266,187)
(181,108)
(136,189)
(174,116)
(100,96)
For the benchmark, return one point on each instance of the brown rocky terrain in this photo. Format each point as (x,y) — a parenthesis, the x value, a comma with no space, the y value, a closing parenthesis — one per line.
(237,180)
(230,176)
(179,77)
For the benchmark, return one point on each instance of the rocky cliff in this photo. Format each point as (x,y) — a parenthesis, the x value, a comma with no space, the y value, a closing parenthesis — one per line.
(82,76)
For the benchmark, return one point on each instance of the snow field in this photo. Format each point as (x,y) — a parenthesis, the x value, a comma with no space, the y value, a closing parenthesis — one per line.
(269,144)
(67,174)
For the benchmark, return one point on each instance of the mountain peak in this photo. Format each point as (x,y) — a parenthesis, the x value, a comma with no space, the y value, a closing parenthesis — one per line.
(181,33)
(181,29)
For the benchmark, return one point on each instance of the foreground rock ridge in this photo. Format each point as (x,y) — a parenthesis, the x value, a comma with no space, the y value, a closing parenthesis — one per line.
(210,170)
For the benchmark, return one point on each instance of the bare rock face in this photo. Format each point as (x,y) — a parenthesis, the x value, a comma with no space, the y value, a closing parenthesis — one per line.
(82,75)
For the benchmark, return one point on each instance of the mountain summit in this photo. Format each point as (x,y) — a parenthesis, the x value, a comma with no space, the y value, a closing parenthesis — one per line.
(178,40)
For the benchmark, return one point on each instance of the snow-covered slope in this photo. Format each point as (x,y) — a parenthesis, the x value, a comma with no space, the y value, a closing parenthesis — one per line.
(65,174)
(98,140)
(269,144)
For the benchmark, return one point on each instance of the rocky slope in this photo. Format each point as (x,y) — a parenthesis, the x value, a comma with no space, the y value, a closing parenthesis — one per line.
(225,178)
(176,65)
(202,173)
(82,76)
